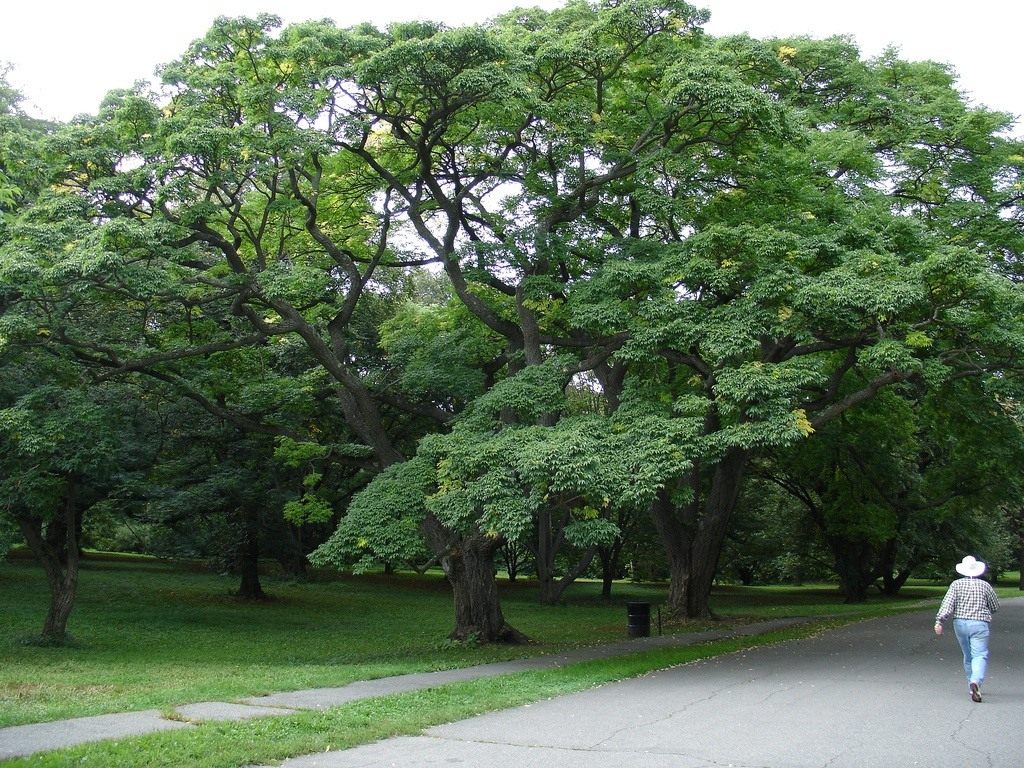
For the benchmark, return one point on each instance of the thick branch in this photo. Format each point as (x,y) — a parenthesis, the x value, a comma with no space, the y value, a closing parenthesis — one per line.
(873,387)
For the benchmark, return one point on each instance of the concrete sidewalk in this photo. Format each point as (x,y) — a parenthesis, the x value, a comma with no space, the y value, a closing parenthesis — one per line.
(22,740)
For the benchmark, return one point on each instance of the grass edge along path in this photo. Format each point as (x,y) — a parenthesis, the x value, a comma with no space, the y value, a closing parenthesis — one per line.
(266,741)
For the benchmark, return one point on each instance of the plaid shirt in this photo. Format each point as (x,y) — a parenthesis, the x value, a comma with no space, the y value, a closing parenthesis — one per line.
(972,599)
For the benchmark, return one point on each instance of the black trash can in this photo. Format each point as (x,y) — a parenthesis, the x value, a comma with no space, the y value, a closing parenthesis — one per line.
(638,619)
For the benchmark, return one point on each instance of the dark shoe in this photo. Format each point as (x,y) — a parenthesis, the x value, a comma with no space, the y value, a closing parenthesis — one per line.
(975,693)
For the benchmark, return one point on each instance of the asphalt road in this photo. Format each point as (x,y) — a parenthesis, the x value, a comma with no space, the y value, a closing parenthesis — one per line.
(21,740)
(885,692)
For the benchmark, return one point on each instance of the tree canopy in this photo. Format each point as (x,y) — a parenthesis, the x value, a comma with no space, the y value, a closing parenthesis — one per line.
(657,256)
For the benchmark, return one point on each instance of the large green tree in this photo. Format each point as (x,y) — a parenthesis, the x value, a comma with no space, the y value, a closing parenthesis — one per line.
(896,485)
(737,240)
(65,446)
(757,236)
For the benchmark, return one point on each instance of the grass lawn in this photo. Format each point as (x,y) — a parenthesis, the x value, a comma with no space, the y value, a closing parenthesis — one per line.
(153,635)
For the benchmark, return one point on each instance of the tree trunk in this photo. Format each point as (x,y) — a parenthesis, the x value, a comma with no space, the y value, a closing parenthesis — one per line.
(892,583)
(894,578)
(544,555)
(290,553)
(675,527)
(712,530)
(693,543)
(611,558)
(512,554)
(60,563)
(56,536)
(468,563)
(478,614)
(746,574)
(249,559)
(550,538)
(553,589)
(608,568)
(856,567)
(1020,568)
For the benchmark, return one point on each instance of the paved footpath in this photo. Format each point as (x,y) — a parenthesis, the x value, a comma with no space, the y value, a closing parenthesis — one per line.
(21,740)
(885,692)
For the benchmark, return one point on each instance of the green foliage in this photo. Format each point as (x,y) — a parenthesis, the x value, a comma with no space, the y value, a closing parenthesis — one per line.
(529,395)
(294,453)
(22,168)
(65,429)
(499,478)
(58,440)
(381,525)
(308,508)
(439,351)
(661,249)
(9,536)
(773,540)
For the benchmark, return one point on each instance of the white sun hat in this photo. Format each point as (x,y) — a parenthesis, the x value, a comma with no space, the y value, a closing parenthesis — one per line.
(970,567)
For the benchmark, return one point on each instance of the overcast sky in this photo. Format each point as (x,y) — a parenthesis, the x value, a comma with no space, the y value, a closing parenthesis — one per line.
(67,55)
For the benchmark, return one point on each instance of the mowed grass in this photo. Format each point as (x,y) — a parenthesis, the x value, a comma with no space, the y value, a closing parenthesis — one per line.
(155,635)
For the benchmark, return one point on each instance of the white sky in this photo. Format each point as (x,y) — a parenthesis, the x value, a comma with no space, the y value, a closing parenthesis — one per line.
(66,55)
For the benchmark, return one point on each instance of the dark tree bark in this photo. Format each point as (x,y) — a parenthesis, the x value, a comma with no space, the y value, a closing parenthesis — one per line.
(675,526)
(855,564)
(57,538)
(893,579)
(552,589)
(712,530)
(290,553)
(249,558)
(514,557)
(469,564)
(59,557)
(1020,567)
(612,377)
(549,542)
(611,560)
(1017,520)
(892,583)
(693,535)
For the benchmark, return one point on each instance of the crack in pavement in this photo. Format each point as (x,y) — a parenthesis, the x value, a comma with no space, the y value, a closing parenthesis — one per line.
(703,762)
(955,738)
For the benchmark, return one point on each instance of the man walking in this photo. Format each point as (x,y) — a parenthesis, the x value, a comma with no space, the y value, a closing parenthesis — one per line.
(971,602)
